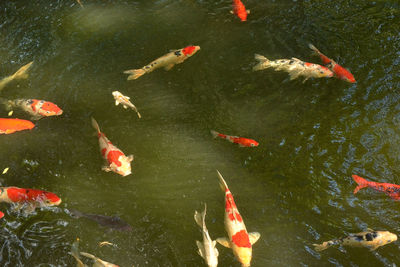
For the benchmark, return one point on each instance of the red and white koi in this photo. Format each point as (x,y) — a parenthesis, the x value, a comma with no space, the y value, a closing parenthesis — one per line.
(295,67)
(36,108)
(239,240)
(240,10)
(207,249)
(243,142)
(20,74)
(167,61)
(338,70)
(116,159)
(124,101)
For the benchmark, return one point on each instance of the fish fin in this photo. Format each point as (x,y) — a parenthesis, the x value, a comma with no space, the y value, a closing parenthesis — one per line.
(371,230)
(361,183)
(222,183)
(224,242)
(314,49)
(21,73)
(125,106)
(88,255)
(263,62)
(305,79)
(5,170)
(231,11)
(201,249)
(254,236)
(214,133)
(214,243)
(106,168)
(30,208)
(134,74)
(130,158)
(116,102)
(248,11)
(95,125)
(294,75)
(323,246)
(200,217)
(138,114)
(168,67)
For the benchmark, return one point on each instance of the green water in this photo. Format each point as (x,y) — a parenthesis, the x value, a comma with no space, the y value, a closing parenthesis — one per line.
(295,188)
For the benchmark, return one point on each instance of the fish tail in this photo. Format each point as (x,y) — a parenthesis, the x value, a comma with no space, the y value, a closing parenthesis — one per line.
(313,48)
(134,74)
(200,217)
(263,62)
(214,133)
(22,72)
(95,125)
(323,246)
(138,114)
(222,182)
(88,255)
(361,183)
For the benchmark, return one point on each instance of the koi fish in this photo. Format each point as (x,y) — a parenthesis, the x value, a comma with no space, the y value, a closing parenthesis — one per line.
(97,261)
(207,249)
(295,67)
(116,159)
(36,108)
(113,222)
(338,70)
(20,74)
(392,190)
(167,61)
(34,197)
(370,239)
(1,214)
(75,254)
(239,240)
(124,101)
(243,142)
(240,10)
(8,126)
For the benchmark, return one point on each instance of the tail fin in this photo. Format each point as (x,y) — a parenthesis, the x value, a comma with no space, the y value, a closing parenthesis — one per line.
(214,133)
(323,246)
(222,182)
(200,217)
(263,62)
(88,255)
(21,73)
(361,183)
(134,74)
(313,48)
(95,125)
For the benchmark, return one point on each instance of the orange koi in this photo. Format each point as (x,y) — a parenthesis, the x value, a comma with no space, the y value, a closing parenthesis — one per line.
(116,159)
(8,126)
(243,142)
(36,108)
(240,10)
(338,70)
(392,190)
(239,240)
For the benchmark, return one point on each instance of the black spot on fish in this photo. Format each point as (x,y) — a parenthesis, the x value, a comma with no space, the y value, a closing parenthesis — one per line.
(370,236)
(27,191)
(359,237)
(30,101)
(177,53)
(291,62)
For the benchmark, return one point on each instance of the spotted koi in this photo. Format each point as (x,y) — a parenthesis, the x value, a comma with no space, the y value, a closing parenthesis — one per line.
(392,190)
(36,108)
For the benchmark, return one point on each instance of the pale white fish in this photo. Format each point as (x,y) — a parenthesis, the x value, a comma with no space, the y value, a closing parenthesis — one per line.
(124,101)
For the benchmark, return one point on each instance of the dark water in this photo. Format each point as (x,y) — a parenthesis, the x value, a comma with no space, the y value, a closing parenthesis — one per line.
(295,188)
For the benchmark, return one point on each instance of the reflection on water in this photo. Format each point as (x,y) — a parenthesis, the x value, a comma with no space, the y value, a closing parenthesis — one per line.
(295,188)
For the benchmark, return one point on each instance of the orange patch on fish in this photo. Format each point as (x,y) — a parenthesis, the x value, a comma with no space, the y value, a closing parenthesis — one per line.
(241,239)
(113,157)
(188,50)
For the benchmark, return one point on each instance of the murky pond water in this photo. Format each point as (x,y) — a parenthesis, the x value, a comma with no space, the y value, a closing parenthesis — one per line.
(295,188)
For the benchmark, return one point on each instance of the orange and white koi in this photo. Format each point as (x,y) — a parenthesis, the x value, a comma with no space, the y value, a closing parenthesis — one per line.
(116,159)
(295,67)
(370,239)
(8,126)
(240,10)
(338,70)
(20,74)
(167,61)
(243,142)
(239,240)
(36,108)
(124,101)
(34,197)
(207,249)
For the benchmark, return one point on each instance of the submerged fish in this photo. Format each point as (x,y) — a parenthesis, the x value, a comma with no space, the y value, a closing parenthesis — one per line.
(97,261)
(107,221)
(239,240)
(392,190)
(207,249)
(167,61)
(370,239)
(124,101)
(116,159)
(295,67)
(243,142)
(75,253)
(8,126)
(240,10)
(36,108)
(20,74)
(339,71)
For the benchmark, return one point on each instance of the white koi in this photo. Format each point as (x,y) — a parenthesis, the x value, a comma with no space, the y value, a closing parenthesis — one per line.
(124,101)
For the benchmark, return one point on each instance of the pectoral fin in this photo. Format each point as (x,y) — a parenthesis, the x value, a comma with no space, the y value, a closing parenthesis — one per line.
(369,229)
(224,241)
(201,249)
(116,102)
(106,168)
(248,11)
(168,67)
(254,236)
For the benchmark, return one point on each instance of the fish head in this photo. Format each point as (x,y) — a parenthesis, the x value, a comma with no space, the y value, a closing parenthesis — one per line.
(51,199)
(116,94)
(388,237)
(50,109)
(324,72)
(190,50)
(243,255)
(253,143)
(125,168)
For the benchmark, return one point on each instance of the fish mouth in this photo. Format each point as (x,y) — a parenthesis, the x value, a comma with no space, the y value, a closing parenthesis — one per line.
(59,112)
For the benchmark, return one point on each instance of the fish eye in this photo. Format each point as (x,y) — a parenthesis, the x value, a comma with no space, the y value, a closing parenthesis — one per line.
(252,144)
